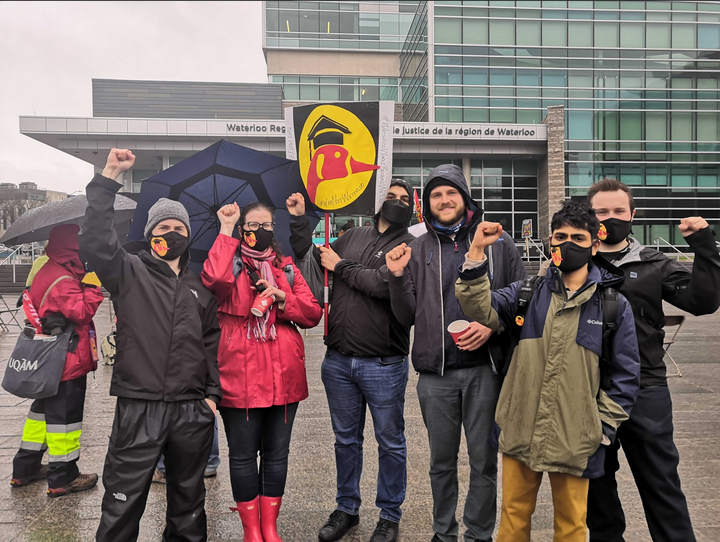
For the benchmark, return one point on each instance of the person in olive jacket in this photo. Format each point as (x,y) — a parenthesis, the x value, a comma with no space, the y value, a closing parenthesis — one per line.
(166,375)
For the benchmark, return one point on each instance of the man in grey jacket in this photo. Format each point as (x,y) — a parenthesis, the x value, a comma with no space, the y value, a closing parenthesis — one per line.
(458,385)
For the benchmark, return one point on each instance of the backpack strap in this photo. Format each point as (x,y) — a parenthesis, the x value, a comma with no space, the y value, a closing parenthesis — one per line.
(610,306)
(239,265)
(47,292)
(525,295)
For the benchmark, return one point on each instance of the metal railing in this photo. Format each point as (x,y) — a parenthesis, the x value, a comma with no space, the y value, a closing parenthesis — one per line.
(530,255)
(12,254)
(666,243)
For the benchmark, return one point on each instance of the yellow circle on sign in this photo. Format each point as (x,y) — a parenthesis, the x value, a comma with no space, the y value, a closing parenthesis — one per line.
(337,153)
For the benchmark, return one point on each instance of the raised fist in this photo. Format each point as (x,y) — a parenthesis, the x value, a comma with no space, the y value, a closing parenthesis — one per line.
(397,259)
(118,161)
(692,224)
(485,235)
(229,215)
(296,204)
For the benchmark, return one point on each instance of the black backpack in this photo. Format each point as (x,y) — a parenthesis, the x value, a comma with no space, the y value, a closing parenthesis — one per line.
(608,303)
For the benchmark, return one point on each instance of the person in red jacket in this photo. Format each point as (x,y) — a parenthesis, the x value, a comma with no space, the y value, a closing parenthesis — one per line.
(261,359)
(58,297)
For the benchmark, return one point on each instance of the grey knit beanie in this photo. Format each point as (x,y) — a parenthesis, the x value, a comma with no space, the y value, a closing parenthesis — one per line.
(164,209)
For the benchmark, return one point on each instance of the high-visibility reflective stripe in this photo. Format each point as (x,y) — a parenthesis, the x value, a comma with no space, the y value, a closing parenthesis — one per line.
(38,416)
(64,458)
(57,428)
(34,431)
(62,444)
(33,446)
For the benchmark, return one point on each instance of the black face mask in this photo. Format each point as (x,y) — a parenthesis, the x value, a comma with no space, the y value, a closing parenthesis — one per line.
(614,230)
(258,240)
(396,212)
(169,246)
(569,256)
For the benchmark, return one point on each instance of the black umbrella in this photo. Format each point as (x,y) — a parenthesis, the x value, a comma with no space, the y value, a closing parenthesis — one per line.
(221,174)
(35,224)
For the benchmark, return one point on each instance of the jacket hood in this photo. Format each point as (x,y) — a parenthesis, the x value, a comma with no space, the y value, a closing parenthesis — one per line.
(601,272)
(453,175)
(63,248)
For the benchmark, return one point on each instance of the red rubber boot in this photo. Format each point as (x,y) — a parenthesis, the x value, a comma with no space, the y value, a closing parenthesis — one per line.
(250,517)
(269,512)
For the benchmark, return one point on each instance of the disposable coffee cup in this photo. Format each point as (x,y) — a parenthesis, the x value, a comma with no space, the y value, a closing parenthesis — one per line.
(261,305)
(458,328)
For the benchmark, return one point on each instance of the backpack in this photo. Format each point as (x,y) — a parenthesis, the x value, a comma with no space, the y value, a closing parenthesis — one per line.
(608,303)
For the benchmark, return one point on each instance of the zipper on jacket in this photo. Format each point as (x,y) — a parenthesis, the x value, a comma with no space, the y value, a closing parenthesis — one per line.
(442,304)
(172,332)
(456,247)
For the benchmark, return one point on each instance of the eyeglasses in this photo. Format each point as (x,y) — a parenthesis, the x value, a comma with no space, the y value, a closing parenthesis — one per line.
(255,226)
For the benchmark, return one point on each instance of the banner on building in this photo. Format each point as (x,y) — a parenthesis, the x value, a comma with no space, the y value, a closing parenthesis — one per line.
(345,153)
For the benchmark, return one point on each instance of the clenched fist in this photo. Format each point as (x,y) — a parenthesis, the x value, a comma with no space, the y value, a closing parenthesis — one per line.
(228,216)
(296,204)
(485,235)
(397,259)
(692,224)
(118,161)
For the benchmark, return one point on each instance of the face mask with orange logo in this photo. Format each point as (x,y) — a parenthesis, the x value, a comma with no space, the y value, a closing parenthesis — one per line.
(258,240)
(169,246)
(569,256)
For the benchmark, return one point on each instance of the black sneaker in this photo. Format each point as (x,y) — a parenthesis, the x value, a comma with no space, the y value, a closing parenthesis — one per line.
(386,531)
(337,525)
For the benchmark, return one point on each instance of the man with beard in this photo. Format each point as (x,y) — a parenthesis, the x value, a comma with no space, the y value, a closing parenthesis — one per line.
(458,385)
(647,437)
(366,360)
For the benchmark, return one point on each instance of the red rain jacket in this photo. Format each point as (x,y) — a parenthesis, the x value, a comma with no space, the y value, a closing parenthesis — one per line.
(255,374)
(76,301)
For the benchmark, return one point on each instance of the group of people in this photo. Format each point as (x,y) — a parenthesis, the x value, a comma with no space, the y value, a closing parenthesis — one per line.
(555,372)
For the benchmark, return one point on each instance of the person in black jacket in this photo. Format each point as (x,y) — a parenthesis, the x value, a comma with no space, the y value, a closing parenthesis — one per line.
(166,374)
(458,385)
(366,360)
(647,437)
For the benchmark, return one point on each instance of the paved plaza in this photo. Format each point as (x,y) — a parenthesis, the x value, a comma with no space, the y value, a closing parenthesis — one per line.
(27,514)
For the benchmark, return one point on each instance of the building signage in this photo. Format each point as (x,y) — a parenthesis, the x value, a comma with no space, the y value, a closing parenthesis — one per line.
(469,131)
(256,127)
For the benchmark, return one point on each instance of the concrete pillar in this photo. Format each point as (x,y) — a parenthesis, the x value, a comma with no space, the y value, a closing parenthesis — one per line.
(551,173)
(165,162)
(466,170)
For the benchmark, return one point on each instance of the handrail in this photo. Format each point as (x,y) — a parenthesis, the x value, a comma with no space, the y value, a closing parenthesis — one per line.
(540,248)
(667,243)
(13,253)
(537,246)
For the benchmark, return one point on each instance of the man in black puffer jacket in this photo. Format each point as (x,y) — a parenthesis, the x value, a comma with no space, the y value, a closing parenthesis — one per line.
(366,359)
(166,374)
(458,385)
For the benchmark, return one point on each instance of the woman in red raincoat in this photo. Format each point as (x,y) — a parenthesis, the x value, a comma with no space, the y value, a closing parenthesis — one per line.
(261,359)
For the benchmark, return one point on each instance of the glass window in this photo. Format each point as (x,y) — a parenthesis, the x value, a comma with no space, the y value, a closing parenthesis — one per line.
(580,34)
(683,36)
(448,30)
(310,21)
(606,34)
(475,31)
(554,33)
(291,92)
(708,36)
(658,36)
(329,93)
(580,125)
(630,126)
(681,126)
(502,32)
(656,126)
(528,32)
(707,127)
(632,35)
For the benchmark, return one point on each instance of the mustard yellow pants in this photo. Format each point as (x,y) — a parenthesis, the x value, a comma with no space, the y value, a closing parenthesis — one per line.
(520,486)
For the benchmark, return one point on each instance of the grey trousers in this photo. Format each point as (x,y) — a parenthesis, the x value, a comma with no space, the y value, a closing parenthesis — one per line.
(461,398)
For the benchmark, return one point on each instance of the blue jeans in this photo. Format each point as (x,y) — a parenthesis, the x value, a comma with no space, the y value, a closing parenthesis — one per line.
(352,384)
(214,460)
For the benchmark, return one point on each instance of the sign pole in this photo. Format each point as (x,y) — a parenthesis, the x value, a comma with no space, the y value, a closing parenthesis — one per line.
(327,284)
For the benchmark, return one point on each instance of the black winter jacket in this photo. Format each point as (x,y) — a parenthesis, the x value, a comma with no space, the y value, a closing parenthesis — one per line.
(361,321)
(425,293)
(651,277)
(167,330)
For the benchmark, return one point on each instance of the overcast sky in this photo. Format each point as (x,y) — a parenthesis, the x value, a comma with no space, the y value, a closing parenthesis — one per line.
(51,51)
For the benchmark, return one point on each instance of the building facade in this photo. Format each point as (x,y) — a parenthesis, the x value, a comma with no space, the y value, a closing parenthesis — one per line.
(535,100)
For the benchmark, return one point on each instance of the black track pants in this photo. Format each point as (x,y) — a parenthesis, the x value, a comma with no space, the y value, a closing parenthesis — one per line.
(141,433)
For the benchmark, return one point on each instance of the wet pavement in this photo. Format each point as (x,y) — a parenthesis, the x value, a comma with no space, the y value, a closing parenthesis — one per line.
(28,514)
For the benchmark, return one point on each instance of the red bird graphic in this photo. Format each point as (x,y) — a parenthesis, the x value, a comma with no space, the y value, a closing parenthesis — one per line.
(331,162)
